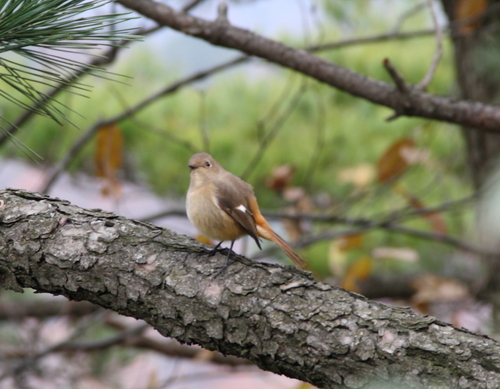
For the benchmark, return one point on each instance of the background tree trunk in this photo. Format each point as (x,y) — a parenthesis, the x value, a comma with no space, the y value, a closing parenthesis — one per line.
(477,65)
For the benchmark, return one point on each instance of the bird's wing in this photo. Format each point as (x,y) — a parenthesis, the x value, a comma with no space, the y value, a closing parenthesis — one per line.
(233,201)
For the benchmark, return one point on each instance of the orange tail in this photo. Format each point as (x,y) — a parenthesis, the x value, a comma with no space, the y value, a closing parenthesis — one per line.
(266,232)
(269,234)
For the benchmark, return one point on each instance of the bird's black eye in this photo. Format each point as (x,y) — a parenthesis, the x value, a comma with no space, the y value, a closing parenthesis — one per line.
(207,164)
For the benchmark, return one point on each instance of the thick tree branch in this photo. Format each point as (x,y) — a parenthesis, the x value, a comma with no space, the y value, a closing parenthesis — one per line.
(280,318)
(471,114)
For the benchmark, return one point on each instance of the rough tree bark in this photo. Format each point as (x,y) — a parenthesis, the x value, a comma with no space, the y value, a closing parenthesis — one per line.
(278,317)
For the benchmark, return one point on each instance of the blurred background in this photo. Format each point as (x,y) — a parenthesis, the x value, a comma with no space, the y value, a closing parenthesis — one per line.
(404,211)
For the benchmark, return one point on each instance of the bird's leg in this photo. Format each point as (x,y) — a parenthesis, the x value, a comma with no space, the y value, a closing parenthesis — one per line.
(226,264)
(214,250)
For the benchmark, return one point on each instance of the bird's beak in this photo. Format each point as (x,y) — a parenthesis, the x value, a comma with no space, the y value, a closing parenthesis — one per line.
(192,167)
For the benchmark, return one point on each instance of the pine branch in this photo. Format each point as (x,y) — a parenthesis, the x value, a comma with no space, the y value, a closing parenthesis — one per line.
(36,37)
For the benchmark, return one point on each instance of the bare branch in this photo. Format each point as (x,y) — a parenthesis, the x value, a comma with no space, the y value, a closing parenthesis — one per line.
(472,114)
(43,309)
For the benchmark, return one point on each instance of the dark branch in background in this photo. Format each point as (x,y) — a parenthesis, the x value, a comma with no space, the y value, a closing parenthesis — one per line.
(109,56)
(132,336)
(28,362)
(43,309)
(170,347)
(472,114)
(390,222)
(82,141)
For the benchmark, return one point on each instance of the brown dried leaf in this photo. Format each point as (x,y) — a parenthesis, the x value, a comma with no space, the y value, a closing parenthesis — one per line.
(435,219)
(348,242)
(465,9)
(432,288)
(393,163)
(281,178)
(301,202)
(109,149)
(360,270)
(108,157)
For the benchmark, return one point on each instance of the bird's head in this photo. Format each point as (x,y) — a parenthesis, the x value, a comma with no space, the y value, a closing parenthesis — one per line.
(203,168)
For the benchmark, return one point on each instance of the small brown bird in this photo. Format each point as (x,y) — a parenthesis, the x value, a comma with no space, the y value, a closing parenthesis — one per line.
(223,207)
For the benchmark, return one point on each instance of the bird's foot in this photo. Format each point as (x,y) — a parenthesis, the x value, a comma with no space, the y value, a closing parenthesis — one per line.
(226,264)
(212,252)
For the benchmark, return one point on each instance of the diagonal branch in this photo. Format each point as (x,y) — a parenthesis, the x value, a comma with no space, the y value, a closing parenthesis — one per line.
(279,318)
(471,114)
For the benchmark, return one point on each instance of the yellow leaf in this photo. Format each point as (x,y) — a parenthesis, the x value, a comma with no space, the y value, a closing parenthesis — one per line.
(108,157)
(305,385)
(348,242)
(360,270)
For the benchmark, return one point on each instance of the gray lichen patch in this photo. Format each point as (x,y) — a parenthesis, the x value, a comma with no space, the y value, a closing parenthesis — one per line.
(65,252)
(20,210)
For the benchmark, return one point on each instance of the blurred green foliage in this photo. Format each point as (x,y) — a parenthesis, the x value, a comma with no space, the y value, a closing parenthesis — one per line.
(327,132)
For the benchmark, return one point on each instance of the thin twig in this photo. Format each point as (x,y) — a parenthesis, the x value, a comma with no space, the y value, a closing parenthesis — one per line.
(406,15)
(422,85)
(273,131)
(396,76)
(203,127)
(154,130)
(87,136)
(320,140)
(105,343)
(432,236)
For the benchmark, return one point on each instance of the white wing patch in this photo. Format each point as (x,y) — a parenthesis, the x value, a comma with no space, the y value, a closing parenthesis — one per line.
(241,208)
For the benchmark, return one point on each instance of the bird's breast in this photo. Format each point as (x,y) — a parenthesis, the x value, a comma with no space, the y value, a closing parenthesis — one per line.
(208,218)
